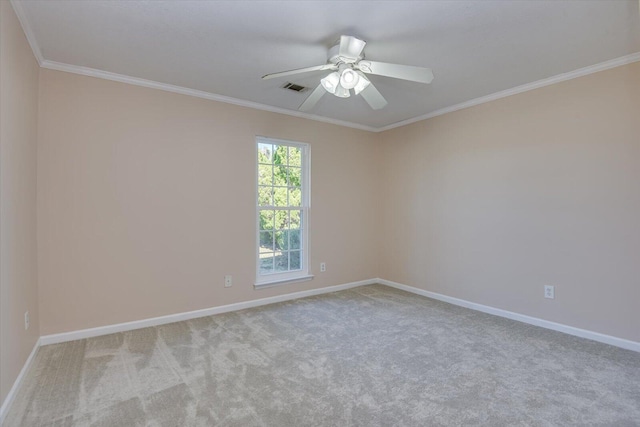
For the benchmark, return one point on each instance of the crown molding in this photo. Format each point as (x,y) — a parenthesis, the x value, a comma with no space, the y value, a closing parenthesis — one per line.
(617,62)
(28,31)
(92,72)
(602,66)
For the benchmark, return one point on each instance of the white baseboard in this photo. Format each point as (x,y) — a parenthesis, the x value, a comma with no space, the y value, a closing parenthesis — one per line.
(4,409)
(128,326)
(583,333)
(155,321)
(178,317)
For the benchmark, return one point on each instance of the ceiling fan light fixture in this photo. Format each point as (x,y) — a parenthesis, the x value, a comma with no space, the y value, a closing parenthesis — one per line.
(342,92)
(349,78)
(362,84)
(349,71)
(331,82)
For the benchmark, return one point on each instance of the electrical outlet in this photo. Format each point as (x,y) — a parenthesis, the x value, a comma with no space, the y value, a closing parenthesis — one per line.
(26,320)
(227,281)
(549,292)
(323,267)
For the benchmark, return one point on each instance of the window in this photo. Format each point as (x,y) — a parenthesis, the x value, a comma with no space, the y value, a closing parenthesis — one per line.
(282,211)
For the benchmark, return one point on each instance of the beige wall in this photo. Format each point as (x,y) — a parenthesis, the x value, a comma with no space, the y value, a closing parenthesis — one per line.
(146,199)
(490,203)
(486,204)
(18,138)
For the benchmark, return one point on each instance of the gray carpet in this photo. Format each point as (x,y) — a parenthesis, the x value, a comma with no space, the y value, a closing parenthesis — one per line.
(370,356)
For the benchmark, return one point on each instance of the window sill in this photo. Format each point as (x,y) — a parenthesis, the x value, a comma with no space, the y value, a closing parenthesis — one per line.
(278,282)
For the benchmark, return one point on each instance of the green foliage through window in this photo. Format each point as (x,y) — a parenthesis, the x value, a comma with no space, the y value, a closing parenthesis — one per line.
(280,193)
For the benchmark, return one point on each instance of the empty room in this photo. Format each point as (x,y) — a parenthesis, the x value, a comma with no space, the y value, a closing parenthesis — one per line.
(319,213)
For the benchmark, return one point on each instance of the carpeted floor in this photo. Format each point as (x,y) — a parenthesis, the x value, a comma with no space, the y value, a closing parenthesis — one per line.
(370,356)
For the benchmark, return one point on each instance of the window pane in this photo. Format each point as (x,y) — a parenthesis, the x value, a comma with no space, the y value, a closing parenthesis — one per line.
(294,260)
(280,155)
(295,156)
(265,175)
(266,241)
(264,196)
(295,196)
(294,177)
(264,153)
(281,262)
(294,222)
(285,240)
(294,239)
(281,220)
(266,263)
(280,196)
(280,175)
(266,219)
(282,240)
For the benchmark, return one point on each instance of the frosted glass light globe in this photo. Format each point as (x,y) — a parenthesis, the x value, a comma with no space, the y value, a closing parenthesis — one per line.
(349,79)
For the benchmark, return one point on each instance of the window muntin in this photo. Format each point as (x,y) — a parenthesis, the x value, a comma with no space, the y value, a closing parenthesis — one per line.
(282,210)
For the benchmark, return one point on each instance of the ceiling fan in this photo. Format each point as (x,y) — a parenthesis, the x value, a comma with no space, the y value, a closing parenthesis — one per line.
(349,69)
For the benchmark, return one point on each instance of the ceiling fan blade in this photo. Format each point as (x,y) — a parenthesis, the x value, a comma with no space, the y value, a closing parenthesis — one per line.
(397,71)
(351,47)
(300,70)
(373,97)
(313,99)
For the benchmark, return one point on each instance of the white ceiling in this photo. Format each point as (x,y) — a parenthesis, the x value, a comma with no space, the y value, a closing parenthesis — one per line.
(475,48)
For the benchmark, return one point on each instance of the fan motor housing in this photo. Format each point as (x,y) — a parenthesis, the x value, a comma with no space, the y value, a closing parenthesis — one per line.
(334,57)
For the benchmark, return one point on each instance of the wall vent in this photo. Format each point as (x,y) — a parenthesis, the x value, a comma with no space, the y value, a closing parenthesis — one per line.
(294,87)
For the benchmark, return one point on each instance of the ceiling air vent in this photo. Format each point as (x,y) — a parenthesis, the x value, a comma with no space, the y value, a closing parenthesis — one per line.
(294,87)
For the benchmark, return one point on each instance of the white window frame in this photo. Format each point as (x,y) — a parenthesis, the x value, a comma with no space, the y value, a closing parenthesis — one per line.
(274,279)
